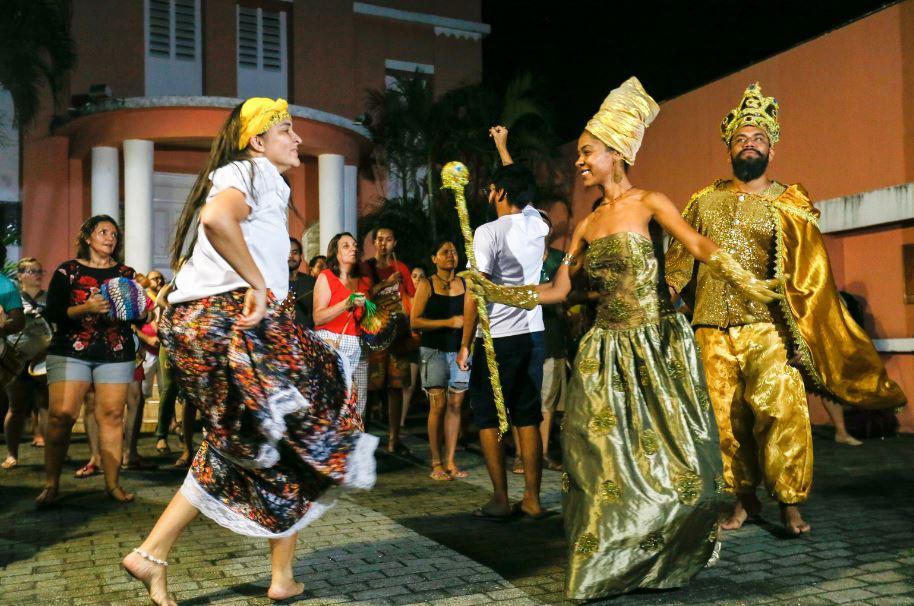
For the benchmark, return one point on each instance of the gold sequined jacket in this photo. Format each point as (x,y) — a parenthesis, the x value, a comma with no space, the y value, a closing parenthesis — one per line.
(776,234)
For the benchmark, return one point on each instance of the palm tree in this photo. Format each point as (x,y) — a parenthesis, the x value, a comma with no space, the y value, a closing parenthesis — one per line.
(35,51)
(415,134)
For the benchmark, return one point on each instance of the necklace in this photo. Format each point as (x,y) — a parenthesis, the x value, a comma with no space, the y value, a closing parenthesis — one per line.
(612,202)
(741,195)
(446,283)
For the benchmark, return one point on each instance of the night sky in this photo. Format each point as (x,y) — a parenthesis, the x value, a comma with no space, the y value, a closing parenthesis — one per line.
(581,50)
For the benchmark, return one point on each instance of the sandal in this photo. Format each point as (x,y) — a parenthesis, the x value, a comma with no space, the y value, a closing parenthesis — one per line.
(551,464)
(518,467)
(10,462)
(87,470)
(162,447)
(183,461)
(140,464)
(440,475)
(398,448)
(457,474)
(119,494)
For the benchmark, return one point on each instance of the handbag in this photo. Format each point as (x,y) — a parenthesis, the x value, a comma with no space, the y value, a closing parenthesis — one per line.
(11,361)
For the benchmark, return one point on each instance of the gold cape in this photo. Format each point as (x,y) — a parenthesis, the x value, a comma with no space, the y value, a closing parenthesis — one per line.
(840,362)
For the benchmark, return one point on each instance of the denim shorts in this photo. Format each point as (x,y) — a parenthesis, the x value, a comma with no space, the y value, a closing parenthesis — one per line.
(439,369)
(63,368)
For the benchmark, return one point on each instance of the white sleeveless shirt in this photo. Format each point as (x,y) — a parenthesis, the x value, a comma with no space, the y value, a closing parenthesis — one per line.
(265,231)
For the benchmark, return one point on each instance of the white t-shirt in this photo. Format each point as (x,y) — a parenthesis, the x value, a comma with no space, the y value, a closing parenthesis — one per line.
(510,250)
(265,231)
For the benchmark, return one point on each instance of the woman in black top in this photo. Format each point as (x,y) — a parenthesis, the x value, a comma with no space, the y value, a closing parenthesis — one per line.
(88,349)
(438,313)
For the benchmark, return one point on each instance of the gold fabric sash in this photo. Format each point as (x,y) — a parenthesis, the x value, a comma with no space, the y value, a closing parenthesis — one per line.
(841,361)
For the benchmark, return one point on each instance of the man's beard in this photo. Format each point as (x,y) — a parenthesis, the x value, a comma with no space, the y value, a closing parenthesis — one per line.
(749,168)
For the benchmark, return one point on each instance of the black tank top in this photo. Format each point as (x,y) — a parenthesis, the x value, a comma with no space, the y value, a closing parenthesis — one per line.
(442,307)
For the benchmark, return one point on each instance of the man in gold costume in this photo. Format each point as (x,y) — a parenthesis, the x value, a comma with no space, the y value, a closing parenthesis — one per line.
(757,356)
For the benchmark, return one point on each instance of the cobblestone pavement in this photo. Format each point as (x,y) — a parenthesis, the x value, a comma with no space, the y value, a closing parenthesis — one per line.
(412,541)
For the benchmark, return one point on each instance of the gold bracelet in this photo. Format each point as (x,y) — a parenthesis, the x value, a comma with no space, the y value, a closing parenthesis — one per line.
(569,259)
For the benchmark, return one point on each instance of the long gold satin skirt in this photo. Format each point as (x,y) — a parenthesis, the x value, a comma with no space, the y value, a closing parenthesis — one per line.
(642,485)
(760,404)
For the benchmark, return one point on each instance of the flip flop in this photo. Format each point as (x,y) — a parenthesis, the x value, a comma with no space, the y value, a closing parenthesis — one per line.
(87,470)
(457,474)
(520,513)
(481,514)
(140,465)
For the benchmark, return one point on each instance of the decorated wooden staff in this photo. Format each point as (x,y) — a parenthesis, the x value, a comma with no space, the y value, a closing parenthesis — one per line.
(455,176)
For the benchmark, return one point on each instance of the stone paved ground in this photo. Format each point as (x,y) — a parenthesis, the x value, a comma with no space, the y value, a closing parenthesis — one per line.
(411,541)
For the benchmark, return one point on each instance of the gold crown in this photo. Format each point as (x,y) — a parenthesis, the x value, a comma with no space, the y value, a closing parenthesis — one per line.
(754,109)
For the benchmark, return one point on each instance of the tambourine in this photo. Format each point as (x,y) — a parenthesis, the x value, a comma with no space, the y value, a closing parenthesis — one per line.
(127,299)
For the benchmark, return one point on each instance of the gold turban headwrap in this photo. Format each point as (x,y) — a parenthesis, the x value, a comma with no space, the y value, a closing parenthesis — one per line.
(754,109)
(260,114)
(622,118)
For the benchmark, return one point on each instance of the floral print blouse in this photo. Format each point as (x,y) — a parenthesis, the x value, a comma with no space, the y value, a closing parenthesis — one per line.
(93,337)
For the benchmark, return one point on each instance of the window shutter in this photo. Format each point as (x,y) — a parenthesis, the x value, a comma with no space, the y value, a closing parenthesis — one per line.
(247,37)
(272,52)
(185,29)
(160,28)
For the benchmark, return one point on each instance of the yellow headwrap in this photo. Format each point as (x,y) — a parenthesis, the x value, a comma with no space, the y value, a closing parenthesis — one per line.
(622,118)
(754,109)
(260,114)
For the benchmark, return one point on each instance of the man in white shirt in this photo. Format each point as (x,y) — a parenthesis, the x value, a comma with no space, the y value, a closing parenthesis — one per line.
(509,251)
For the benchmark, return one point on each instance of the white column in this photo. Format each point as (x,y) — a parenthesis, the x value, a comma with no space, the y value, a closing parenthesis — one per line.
(105,182)
(350,199)
(330,196)
(138,204)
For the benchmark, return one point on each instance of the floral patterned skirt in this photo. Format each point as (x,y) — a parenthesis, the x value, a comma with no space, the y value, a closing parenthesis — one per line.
(279,415)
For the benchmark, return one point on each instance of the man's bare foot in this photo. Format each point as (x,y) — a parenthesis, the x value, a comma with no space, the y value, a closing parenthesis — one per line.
(532,509)
(150,574)
(747,506)
(792,520)
(10,462)
(284,590)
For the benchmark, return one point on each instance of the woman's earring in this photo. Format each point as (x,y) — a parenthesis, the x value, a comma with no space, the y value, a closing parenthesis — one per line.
(618,173)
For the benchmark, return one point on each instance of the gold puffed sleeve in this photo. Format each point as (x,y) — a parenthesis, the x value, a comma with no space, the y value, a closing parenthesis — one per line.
(679,262)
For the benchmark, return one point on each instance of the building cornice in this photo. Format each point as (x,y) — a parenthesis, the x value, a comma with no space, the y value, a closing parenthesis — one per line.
(443,26)
(894,345)
(867,209)
(296,111)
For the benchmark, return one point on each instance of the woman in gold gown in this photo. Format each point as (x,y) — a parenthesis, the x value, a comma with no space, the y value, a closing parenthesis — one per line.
(642,484)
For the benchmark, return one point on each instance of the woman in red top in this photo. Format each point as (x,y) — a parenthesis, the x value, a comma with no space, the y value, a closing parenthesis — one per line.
(337,313)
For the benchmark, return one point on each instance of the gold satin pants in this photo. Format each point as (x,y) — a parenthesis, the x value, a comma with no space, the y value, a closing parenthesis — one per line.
(760,404)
